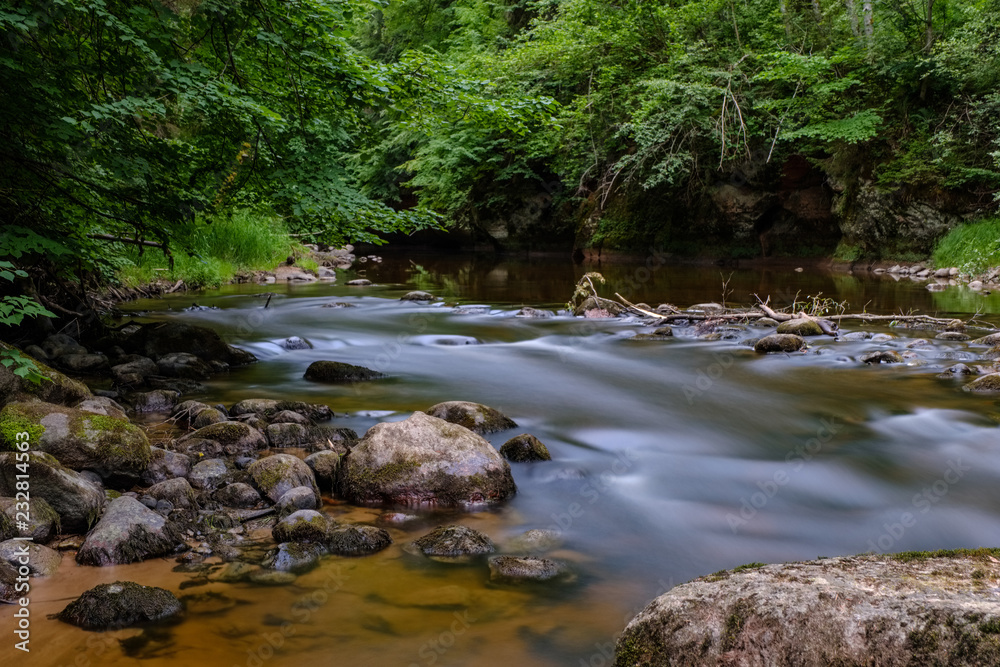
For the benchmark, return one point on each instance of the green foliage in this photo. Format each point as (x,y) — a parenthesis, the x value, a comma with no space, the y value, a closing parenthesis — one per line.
(972,247)
(13,310)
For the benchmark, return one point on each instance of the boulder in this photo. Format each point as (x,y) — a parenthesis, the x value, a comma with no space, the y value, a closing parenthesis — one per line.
(164,465)
(516,569)
(476,417)
(525,447)
(286,435)
(454,542)
(119,605)
(83,363)
(58,389)
(42,561)
(161,339)
(42,524)
(908,609)
(296,343)
(238,495)
(158,400)
(800,328)
(882,357)
(336,371)
(265,408)
(102,405)
(986,384)
(991,340)
(207,417)
(58,345)
(235,438)
(295,557)
(424,460)
(298,498)
(113,448)
(357,540)
(779,343)
(134,373)
(535,540)
(952,335)
(276,475)
(128,532)
(183,365)
(77,500)
(417,295)
(289,417)
(176,491)
(305,525)
(209,475)
(324,466)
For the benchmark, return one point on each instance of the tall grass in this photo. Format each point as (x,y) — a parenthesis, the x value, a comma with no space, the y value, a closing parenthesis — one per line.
(973,247)
(214,251)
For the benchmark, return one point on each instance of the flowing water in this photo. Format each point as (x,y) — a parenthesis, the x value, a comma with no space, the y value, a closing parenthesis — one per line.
(671,459)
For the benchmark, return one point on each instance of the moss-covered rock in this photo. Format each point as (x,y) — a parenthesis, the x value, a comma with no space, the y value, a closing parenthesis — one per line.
(120,605)
(302,526)
(991,340)
(43,521)
(164,465)
(78,501)
(861,610)
(779,343)
(517,569)
(209,475)
(986,384)
(295,557)
(337,371)
(297,498)
(128,532)
(525,447)
(324,466)
(58,388)
(238,495)
(454,542)
(276,475)
(424,461)
(286,435)
(800,328)
(476,417)
(42,561)
(177,492)
(111,447)
(357,540)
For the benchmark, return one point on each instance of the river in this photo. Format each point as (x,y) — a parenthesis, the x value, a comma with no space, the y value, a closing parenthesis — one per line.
(671,459)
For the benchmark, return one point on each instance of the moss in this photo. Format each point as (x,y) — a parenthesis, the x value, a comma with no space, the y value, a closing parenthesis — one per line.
(982,554)
(990,627)
(119,605)
(734,624)
(748,566)
(13,420)
(268,475)
(119,443)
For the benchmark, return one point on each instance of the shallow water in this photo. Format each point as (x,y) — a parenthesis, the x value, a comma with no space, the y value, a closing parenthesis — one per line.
(671,459)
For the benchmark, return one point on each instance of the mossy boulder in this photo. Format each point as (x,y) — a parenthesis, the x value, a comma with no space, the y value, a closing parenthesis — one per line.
(454,542)
(987,384)
(882,357)
(337,371)
(209,475)
(991,340)
(357,540)
(120,605)
(58,388)
(295,557)
(176,491)
(525,447)
(111,447)
(886,610)
(208,416)
(234,438)
(128,532)
(276,475)
(102,405)
(165,464)
(238,494)
(800,328)
(43,521)
(476,417)
(302,526)
(424,460)
(42,561)
(77,500)
(779,343)
(324,466)
(286,435)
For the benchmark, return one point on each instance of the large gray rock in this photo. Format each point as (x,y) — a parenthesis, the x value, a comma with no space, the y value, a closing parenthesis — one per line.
(276,475)
(41,560)
(81,440)
(177,491)
(164,465)
(43,521)
(286,435)
(476,417)
(102,405)
(424,461)
(134,373)
(238,495)
(77,500)
(119,605)
(209,475)
(128,532)
(861,610)
(58,388)
(302,526)
(183,365)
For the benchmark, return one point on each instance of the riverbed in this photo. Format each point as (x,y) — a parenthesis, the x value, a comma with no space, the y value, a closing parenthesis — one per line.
(671,458)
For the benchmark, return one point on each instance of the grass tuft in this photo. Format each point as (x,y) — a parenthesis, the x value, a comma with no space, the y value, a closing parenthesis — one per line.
(973,247)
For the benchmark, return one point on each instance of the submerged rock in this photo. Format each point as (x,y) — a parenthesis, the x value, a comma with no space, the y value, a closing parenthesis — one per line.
(514,569)
(779,343)
(476,417)
(535,540)
(336,371)
(525,447)
(120,605)
(128,532)
(861,610)
(295,557)
(424,460)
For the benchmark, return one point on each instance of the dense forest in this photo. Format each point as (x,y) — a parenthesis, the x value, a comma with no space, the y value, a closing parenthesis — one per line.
(741,128)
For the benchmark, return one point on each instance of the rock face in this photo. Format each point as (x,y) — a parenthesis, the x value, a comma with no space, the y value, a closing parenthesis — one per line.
(336,371)
(77,500)
(128,532)
(864,610)
(81,440)
(424,461)
(119,605)
(476,417)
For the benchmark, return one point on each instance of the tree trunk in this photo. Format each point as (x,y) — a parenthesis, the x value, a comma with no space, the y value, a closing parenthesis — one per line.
(866,9)
(783,8)
(852,14)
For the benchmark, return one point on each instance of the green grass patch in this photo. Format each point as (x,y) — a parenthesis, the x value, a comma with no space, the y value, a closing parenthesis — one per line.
(748,566)
(214,250)
(973,247)
(982,553)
